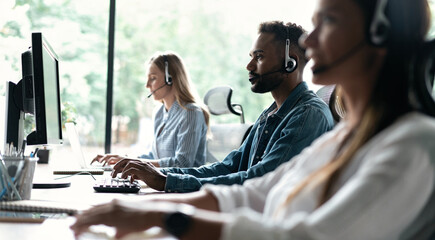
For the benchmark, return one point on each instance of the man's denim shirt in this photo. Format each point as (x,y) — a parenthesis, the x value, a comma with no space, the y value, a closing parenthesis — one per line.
(274,139)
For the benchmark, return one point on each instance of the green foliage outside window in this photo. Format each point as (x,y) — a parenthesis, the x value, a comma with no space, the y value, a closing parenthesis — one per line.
(212,38)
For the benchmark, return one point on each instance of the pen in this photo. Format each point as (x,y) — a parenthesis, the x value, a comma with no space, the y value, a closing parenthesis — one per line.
(36,152)
(23,147)
(33,154)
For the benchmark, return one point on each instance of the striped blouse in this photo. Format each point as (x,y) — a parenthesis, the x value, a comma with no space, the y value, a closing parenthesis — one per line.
(179,136)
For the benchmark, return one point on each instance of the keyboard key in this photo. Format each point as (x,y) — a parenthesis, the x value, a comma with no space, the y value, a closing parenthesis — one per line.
(117,185)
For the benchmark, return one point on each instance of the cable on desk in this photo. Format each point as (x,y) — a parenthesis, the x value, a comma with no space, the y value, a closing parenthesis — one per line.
(79,173)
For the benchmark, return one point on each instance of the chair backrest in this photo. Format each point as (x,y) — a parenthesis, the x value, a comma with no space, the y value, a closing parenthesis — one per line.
(225,137)
(423,226)
(423,98)
(218,101)
(328,95)
(423,89)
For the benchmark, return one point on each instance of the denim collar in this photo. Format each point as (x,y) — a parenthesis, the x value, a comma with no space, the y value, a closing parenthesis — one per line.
(289,103)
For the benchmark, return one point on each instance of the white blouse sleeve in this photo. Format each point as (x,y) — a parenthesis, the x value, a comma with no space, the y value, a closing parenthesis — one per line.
(252,193)
(379,201)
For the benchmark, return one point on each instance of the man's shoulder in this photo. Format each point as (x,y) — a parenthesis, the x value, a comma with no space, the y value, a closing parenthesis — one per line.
(311,100)
(311,105)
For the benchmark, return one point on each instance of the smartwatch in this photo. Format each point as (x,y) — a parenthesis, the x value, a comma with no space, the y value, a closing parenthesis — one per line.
(179,222)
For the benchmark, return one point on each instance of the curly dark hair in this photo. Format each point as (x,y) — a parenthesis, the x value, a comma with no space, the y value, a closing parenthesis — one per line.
(282,32)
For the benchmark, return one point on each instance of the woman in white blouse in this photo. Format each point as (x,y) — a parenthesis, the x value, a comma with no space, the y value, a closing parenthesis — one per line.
(180,124)
(372,177)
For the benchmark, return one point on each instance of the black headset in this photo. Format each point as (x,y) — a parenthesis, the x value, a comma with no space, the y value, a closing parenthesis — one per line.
(380,26)
(290,63)
(168,77)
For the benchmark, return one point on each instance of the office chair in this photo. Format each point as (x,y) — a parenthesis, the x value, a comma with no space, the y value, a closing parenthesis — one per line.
(423,98)
(328,95)
(423,67)
(218,100)
(225,137)
(423,226)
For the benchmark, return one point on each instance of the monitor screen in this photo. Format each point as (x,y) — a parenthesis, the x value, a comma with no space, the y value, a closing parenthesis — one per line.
(46,93)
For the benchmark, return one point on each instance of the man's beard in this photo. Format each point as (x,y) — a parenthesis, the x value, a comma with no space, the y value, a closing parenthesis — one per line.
(266,84)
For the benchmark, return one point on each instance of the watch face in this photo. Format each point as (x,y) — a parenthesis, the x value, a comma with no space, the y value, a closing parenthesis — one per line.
(177,223)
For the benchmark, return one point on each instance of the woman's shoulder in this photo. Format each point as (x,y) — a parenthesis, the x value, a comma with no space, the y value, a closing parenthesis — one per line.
(415,124)
(192,107)
(158,110)
(189,111)
(412,129)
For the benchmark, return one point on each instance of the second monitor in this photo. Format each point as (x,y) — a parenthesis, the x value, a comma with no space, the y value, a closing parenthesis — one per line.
(37,93)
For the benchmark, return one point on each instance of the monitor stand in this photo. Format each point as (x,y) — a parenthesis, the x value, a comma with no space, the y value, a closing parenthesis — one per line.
(51,184)
(43,178)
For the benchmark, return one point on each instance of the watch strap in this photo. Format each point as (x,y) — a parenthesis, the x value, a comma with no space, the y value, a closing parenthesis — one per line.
(179,222)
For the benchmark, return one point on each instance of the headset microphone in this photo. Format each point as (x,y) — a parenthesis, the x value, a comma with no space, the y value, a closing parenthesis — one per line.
(156,90)
(262,75)
(341,59)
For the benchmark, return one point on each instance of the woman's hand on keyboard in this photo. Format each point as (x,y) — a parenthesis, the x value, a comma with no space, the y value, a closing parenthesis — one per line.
(141,170)
(107,159)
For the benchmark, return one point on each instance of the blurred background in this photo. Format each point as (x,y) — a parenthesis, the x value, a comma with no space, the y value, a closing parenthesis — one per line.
(212,36)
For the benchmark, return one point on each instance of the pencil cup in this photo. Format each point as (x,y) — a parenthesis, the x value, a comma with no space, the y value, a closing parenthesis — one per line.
(16,177)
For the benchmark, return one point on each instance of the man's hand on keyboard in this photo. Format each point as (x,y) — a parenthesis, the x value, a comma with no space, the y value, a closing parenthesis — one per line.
(117,185)
(141,170)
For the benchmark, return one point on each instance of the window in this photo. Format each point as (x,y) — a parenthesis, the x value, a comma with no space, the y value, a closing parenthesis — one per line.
(77,31)
(213,38)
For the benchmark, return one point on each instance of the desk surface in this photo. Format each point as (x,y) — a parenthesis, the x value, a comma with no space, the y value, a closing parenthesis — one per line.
(80,192)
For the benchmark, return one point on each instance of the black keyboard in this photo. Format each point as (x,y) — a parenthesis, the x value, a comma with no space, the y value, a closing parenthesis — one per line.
(117,185)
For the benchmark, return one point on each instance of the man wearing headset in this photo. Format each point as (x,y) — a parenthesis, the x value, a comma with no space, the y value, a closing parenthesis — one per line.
(292,122)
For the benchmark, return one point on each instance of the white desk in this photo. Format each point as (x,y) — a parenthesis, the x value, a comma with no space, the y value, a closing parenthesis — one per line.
(80,192)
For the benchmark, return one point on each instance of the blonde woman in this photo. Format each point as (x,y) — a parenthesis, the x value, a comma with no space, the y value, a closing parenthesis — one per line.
(372,177)
(180,124)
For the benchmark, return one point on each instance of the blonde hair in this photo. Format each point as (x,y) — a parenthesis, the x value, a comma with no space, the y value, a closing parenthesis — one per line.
(184,91)
(409,25)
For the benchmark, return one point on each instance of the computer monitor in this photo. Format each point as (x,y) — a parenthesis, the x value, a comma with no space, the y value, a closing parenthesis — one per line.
(36,93)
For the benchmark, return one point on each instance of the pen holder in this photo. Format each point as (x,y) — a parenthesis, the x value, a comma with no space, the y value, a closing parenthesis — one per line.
(43,155)
(16,177)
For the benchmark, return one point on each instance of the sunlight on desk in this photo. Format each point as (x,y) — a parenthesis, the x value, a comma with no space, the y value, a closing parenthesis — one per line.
(104,232)
(80,193)
(53,229)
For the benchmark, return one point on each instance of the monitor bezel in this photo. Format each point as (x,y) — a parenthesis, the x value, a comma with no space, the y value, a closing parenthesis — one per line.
(39,137)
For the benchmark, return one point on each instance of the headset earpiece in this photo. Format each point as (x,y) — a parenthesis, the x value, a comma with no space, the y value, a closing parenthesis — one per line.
(168,77)
(290,63)
(380,25)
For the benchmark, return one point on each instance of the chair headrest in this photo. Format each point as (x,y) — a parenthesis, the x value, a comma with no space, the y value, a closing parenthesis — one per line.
(218,101)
